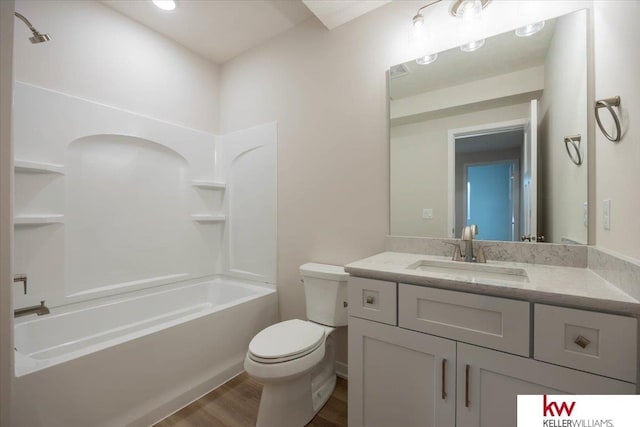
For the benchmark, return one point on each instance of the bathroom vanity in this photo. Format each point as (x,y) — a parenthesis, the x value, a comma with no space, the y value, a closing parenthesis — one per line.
(433,342)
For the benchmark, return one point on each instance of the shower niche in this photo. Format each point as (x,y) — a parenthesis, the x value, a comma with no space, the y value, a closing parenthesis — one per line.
(108,201)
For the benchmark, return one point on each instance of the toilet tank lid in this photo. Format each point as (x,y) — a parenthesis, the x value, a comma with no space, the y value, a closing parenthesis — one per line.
(324,271)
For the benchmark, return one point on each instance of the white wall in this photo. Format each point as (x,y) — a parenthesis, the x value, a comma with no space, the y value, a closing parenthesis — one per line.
(617,71)
(419,161)
(6,210)
(327,90)
(563,112)
(101,55)
(505,85)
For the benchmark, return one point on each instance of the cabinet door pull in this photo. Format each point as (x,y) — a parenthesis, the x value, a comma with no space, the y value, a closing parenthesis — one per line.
(444,379)
(467,401)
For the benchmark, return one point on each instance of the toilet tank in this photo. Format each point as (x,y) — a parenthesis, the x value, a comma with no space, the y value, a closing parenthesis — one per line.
(325,291)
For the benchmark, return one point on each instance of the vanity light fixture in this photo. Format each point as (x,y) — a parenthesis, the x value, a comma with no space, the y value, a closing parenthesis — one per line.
(464,9)
(427,59)
(471,46)
(165,4)
(529,30)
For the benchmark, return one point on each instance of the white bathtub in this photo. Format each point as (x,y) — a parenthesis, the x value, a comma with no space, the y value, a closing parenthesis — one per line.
(132,360)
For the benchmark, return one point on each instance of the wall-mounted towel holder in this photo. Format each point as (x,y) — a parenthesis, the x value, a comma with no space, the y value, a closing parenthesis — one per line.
(609,103)
(572,144)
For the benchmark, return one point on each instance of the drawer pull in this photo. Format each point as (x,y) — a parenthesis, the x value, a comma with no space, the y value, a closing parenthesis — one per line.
(444,379)
(370,300)
(582,341)
(467,401)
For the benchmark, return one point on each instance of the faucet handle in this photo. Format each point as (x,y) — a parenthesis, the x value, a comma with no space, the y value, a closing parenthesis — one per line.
(457,251)
(480,255)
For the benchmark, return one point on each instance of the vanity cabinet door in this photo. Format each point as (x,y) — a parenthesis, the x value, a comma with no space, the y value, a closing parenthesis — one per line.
(488,383)
(399,377)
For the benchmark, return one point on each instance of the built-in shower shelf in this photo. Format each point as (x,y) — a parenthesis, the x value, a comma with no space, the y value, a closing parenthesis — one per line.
(208,218)
(212,185)
(38,219)
(27,166)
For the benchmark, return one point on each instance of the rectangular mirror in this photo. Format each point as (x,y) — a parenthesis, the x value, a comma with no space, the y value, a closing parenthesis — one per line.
(495,136)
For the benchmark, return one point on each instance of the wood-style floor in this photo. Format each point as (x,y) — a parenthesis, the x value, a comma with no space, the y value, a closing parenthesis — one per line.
(235,404)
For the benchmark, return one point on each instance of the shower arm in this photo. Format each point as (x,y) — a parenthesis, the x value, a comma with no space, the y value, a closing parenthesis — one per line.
(26,22)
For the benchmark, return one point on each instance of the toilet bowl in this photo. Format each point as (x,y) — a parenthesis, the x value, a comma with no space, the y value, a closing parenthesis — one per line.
(295,359)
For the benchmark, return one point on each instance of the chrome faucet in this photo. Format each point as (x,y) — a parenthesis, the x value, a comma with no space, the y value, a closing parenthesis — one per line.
(468,255)
(34,309)
(468,233)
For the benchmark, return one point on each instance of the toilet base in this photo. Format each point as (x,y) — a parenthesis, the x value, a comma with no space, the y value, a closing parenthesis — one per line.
(292,403)
(295,401)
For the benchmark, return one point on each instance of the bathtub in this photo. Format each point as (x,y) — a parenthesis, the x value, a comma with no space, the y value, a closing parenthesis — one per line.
(134,359)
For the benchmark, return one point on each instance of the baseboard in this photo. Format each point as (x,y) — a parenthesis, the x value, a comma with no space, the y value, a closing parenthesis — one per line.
(193,393)
(342,370)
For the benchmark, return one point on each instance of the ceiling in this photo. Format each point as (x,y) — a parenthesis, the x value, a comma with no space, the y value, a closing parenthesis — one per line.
(222,29)
(491,142)
(217,29)
(333,13)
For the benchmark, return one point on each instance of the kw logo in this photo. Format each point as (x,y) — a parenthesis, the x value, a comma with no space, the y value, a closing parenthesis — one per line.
(549,408)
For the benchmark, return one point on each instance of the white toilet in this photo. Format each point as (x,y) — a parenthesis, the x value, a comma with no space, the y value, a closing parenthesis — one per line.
(294,359)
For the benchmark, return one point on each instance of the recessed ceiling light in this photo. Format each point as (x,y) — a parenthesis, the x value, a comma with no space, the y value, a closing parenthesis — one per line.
(471,46)
(529,30)
(165,4)
(428,59)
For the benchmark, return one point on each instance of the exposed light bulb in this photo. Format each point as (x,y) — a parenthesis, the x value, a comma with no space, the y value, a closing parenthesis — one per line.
(428,59)
(470,9)
(529,30)
(416,32)
(471,46)
(165,4)
(418,21)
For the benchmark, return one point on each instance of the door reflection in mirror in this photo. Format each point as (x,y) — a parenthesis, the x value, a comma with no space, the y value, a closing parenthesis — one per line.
(487,184)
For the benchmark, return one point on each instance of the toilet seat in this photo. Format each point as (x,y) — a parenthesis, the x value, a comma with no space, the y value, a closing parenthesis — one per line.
(285,341)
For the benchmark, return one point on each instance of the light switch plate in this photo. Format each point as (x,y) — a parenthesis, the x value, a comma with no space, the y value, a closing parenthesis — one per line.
(606,214)
(427,213)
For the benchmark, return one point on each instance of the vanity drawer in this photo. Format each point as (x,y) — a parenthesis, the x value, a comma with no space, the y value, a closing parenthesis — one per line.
(601,343)
(497,323)
(373,299)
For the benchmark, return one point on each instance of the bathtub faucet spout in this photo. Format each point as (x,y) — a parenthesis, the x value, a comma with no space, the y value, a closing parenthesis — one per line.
(34,309)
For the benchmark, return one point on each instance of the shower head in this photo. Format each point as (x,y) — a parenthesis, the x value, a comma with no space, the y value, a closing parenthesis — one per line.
(37,37)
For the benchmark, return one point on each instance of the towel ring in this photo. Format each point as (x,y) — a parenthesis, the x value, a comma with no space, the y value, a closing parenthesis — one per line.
(609,103)
(574,154)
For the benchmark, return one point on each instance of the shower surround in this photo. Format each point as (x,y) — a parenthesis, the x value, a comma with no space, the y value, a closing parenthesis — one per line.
(111,206)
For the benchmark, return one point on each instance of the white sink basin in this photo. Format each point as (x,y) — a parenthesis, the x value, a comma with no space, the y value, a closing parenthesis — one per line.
(471,271)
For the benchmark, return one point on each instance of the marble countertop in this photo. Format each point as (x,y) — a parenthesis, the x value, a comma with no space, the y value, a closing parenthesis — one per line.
(568,286)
